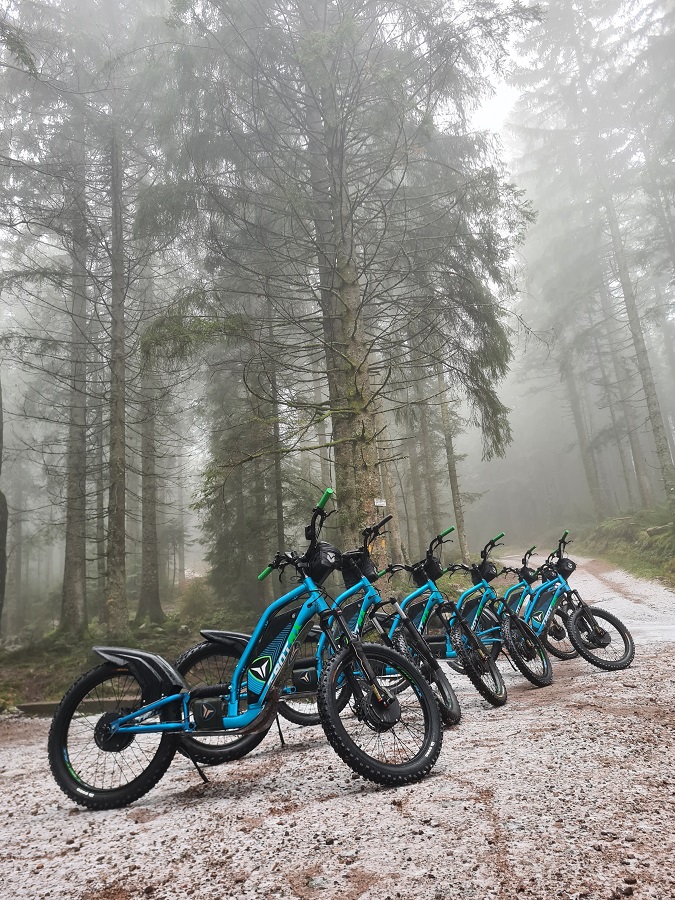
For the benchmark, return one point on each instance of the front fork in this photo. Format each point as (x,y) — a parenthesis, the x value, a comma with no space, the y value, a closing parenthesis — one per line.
(350,639)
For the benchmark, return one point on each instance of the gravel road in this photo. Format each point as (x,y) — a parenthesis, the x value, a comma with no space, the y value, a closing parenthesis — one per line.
(565,792)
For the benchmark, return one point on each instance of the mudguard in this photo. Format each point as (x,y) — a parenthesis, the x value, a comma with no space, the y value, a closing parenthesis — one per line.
(156,676)
(234,639)
(237,639)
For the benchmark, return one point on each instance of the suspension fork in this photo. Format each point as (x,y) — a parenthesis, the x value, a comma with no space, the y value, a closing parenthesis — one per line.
(352,640)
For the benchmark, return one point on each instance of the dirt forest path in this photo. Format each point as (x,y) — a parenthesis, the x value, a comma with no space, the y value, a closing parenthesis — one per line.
(565,792)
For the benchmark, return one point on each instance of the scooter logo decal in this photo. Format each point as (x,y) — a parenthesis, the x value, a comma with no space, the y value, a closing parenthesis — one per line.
(260,668)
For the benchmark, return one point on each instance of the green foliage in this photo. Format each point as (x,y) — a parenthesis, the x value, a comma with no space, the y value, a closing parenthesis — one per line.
(626,543)
(197,602)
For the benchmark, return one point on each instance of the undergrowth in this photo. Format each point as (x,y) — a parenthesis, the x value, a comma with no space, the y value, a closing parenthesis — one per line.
(625,542)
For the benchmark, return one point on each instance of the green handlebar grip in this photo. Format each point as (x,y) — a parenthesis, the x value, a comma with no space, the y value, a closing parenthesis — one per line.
(532,549)
(265,572)
(498,537)
(565,533)
(447,531)
(380,574)
(327,494)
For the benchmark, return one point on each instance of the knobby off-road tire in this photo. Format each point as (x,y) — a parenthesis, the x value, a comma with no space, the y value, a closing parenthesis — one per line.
(94,769)
(526,651)
(488,622)
(213,663)
(448,704)
(620,651)
(479,666)
(555,636)
(401,753)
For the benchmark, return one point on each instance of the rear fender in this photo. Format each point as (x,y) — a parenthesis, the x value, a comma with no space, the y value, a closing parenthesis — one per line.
(156,676)
(234,640)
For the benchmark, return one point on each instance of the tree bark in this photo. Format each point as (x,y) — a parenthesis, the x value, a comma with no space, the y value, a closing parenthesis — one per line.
(4,519)
(74,594)
(116,596)
(584,447)
(452,468)
(350,396)
(149,605)
(621,376)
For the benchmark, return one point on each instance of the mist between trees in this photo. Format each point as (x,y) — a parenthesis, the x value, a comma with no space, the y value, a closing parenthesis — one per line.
(254,248)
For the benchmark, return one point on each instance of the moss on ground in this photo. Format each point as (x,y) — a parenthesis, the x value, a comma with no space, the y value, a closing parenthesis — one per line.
(625,542)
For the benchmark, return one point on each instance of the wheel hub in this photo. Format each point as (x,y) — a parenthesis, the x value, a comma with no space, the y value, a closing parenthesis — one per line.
(105,740)
(377,715)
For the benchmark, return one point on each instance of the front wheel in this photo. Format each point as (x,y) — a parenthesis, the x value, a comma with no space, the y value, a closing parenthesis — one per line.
(479,666)
(526,651)
(601,638)
(393,739)
(93,765)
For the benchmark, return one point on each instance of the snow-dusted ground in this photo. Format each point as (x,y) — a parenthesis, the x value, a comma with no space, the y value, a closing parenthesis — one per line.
(565,792)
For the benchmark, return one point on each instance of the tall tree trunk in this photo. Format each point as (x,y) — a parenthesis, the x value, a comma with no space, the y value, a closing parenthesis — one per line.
(350,396)
(417,494)
(428,468)
(452,468)
(4,519)
(74,593)
(16,555)
(99,480)
(641,355)
(116,596)
(321,433)
(621,377)
(584,446)
(384,455)
(618,437)
(276,439)
(149,601)
(589,108)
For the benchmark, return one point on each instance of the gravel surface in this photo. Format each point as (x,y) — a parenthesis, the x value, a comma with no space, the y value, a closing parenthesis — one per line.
(565,792)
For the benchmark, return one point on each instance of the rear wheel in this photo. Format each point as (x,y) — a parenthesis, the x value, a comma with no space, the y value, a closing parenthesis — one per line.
(92,764)
(488,629)
(448,704)
(479,666)
(601,638)
(555,636)
(213,663)
(526,651)
(393,742)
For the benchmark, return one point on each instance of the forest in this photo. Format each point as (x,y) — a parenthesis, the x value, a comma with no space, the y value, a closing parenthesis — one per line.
(419,251)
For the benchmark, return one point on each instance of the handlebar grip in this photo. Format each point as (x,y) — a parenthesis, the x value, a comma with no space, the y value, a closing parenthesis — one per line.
(447,531)
(497,537)
(380,574)
(384,521)
(565,533)
(265,572)
(327,494)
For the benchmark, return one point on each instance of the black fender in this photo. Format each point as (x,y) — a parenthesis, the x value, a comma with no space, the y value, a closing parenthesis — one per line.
(156,676)
(232,639)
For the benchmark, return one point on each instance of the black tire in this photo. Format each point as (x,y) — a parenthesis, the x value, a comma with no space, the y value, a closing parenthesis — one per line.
(302,710)
(395,753)
(479,666)
(95,769)
(213,663)
(526,651)
(487,622)
(601,638)
(448,704)
(555,636)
